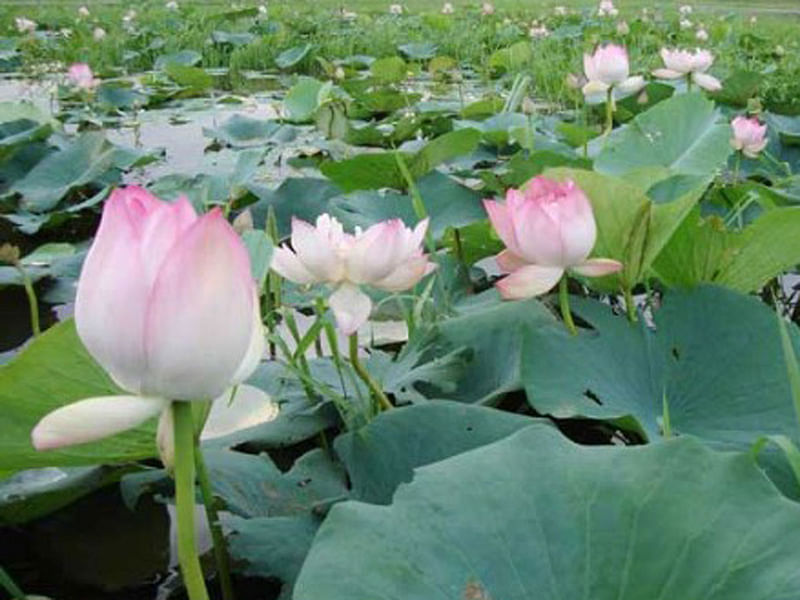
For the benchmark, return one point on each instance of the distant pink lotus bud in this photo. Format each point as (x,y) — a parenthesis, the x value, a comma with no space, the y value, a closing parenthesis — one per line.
(749,136)
(547,227)
(608,68)
(607,9)
(388,256)
(80,75)
(683,63)
(167,305)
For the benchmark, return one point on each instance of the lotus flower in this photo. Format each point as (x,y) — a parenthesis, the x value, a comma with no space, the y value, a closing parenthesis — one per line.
(538,31)
(98,34)
(24,25)
(396,9)
(749,136)
(701,35)
(682,63)
(607,9)
(80,75)
(685,9)
(623,28)
(83,12)
(548,227)
(487,9)
(167,306)
(387,256)
(447,8)
(560,11)
(608,68)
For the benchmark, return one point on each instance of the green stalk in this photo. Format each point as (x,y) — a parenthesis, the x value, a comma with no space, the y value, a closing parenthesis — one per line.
(566,313)
(688,82)
(12,588)
(737,166)
(609,110)
(666,424)
(365,376)
(33,303)
(184,501)
(217,536)
(630,306)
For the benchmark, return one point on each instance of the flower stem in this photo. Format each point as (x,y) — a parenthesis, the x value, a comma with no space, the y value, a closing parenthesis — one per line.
(33,303)
(566,313)
(688,82)
(736,167)
(630,306)
(609,110)
(184,501)
(8,584)
(365,376)
(220,546)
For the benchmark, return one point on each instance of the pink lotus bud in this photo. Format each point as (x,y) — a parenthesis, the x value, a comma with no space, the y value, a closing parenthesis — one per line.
(387,256)
(80,75)
(166,302)
(167,306)
(682,63)
(547,227)
(749,136)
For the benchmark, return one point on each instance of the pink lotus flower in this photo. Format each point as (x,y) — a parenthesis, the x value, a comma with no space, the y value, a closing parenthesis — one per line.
(749,136)
(608,68)
(387,256)
(80,75)
(607,9)
(682,63)
(167,306)
(548,227)
(487,9)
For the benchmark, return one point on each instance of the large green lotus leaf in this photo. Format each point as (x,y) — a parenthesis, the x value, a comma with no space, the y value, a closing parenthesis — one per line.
(684,133)
(381,170)
(535,516)
(484,339)
(88,158)
(53,371)
(384,454)
(766,248)
(704,250)
(714,360)
(632,227)
(305,198)
(447,202)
